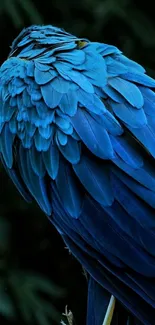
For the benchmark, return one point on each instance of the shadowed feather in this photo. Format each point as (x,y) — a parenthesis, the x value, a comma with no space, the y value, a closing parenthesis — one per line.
(77,134)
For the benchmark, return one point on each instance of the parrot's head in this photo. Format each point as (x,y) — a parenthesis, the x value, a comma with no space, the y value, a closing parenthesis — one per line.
(42,36)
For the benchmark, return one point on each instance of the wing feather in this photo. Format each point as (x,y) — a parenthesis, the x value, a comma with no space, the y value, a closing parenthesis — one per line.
(77,131)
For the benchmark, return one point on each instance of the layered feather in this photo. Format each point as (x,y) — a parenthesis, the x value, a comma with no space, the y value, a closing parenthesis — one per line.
(77,132)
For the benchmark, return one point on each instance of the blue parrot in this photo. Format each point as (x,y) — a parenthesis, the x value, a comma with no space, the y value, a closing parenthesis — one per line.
(77,134)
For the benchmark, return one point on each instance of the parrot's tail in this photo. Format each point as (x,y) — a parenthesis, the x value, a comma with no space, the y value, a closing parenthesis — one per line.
(127,308)
(104,309)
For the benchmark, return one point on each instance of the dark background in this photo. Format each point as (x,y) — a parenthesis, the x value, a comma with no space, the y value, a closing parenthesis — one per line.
(32,255)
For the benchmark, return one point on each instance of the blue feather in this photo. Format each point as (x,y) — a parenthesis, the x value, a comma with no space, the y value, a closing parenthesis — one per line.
(46,132)
(145,175)
(41,143)
(26,40)
(68,190)
(128,90)
(106,49)
(35,95)
(115,68)
(13,101)
(42,109)
(16,179)
(113,94)
(35,184)
(94,67)
(24,50)
(149,101)
(51,96)
(1,126)
(18,82)
(13,125)
(37,162)
(147,195)
(6,145)
(133,117)
(63,123)
(92,134)
(109,122)
(100,93)
(41,66)
(96,310)
(61,46)
(127,151)
(146,136)
(26,99)
(5,93)
(61,138)
(96,74)
(30,68)
(151,123)
(26,141)
(61,85)
(46,59)
(63,69)
(95,179)
(139,78)
(136,209)
(75,135)
(51,160)
(130,63)
(91,102)
(32,53)
(6,111)
(75,57)
(68,103)
(43,77)
(71,150)
(81,81)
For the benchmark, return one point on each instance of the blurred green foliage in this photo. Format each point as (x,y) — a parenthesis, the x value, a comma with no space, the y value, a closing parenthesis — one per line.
(127,23)
(36,271)
(24,289)
(32,255)
(15,9)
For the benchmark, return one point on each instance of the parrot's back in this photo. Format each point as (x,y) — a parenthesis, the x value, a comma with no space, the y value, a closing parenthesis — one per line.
(77,134)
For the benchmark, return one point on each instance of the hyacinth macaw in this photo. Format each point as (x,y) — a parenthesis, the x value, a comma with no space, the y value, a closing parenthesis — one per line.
(77,134)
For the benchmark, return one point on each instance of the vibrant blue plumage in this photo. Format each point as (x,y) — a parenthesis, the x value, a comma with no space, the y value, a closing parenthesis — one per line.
(77,134)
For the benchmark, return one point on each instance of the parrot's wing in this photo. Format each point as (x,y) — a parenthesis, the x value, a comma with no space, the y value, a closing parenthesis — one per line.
(115,259)
(114,234)
(78,134)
